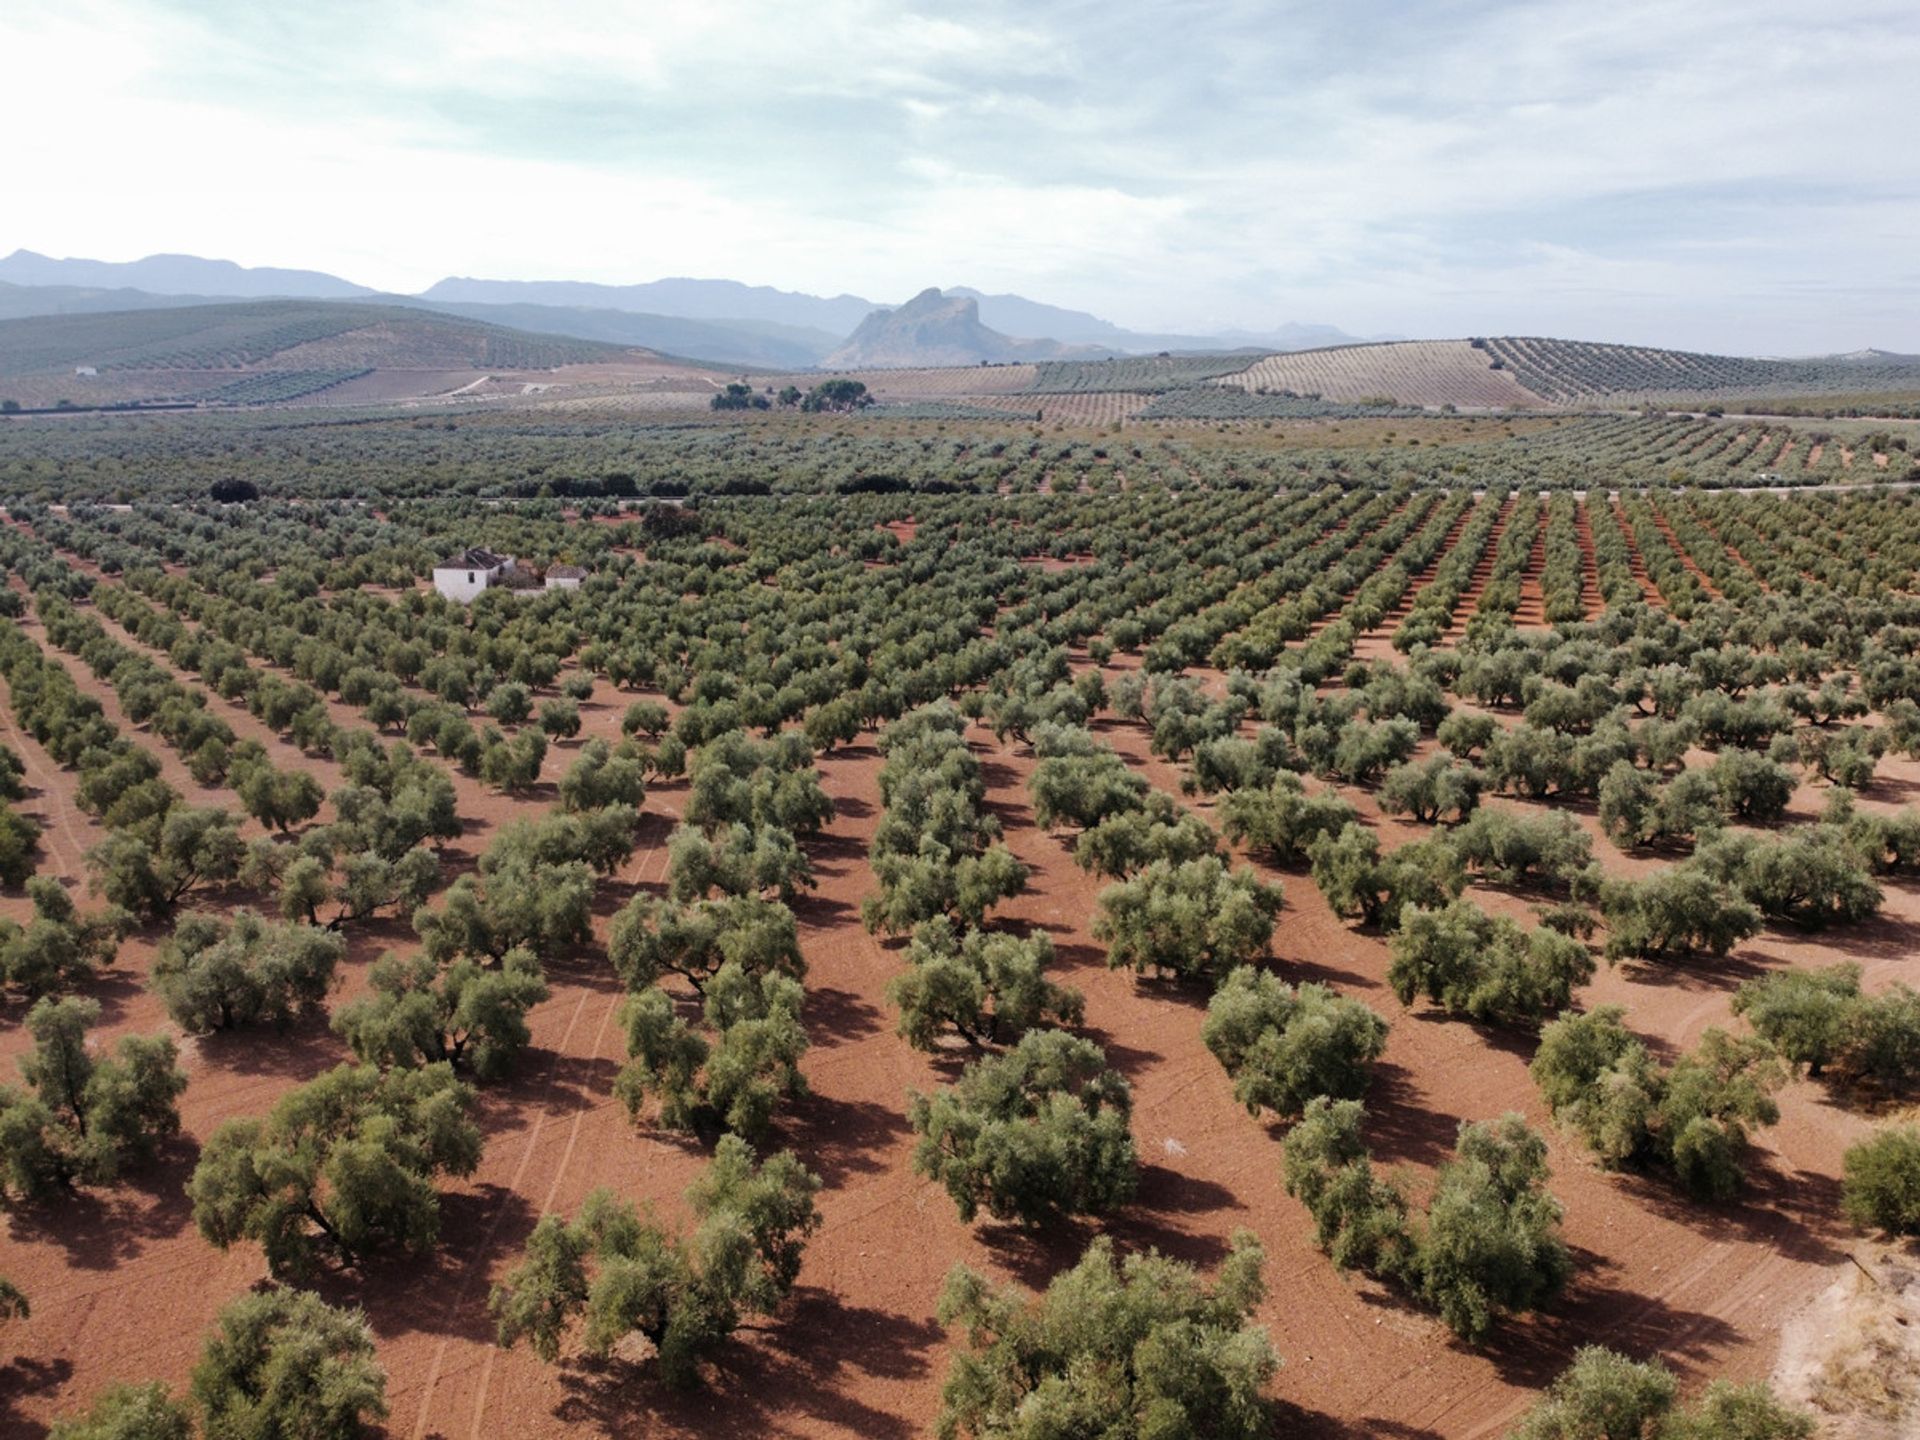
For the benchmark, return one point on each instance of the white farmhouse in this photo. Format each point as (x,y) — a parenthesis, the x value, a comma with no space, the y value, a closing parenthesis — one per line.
(565,577)
(467,574)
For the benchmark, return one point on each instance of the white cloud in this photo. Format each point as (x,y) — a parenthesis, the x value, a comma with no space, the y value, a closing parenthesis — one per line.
(1740,176)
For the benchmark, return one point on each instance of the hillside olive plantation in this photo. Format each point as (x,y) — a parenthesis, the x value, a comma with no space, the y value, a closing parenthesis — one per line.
(1213,898)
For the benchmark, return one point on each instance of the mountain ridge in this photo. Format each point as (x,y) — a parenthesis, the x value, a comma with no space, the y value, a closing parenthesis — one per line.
(170,274)
(935,329)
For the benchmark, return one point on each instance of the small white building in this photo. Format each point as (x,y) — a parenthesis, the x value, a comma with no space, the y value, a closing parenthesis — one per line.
(467,574)
(86,371)
(565,577)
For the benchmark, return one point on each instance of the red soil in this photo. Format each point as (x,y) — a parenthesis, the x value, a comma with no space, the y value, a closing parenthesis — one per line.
(1665,527)
(1636,562)
(1377,643)
(1590,596)
(1482,572)
(1532,609)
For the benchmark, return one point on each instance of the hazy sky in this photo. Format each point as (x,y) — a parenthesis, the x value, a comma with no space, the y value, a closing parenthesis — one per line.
(1706,174)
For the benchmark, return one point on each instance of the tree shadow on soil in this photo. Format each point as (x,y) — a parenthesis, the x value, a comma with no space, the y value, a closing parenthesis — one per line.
(438,1292)
(1702,973)
(1400,1129)
(1883,937)
(1794,1213)
(1070,954)
(24,1376)
(821,912)
(98,1229)
(1532,1350)
(804,1366)
(851,807)
(1033,1256)
(839,1017)
(1120,1055)
(1296,1423)
(303,1050)
(1521,1043)
(555,1080)
(113,988)
(1301,972)
(843,1138)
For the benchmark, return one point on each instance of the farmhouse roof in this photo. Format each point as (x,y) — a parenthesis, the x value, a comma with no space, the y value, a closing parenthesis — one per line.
(565,572)
(475,557)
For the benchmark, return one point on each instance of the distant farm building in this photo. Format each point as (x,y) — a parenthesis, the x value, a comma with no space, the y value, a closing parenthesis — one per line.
(565,577)
(468,573)
(87,370)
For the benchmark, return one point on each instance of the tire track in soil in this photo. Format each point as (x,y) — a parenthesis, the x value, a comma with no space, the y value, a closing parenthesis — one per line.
(501,1211)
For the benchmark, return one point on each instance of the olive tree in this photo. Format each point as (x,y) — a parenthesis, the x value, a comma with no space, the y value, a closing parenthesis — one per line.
(284,1363)
(733,1081)
(1673,913)
(1881,1185)
(194,848)
(216,976)
(1432,789)
(1695,1116)
(340,1167)
(1283,819)
(1283,1046)
(987,988)
(651,939)
(1135,839)
(736,860)
(417,1012)
(1485,967)
(1812,875)
(1197,919)
(1036,1133)
(524,905)
(1604,1395)
(58,947)
(83,1116)
(1358,880)
(1491,1243)
(1136,1347)
(625,1274)
(128,1412)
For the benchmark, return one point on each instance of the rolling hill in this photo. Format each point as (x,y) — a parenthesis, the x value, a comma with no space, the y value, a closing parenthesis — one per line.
(239,336)
(1572,371)
(727,342)
(233,350)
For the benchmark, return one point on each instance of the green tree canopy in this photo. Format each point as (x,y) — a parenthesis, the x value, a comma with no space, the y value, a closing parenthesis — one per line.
(341,1166)
(1130,1349)
(625,1274)
(1038,1132)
